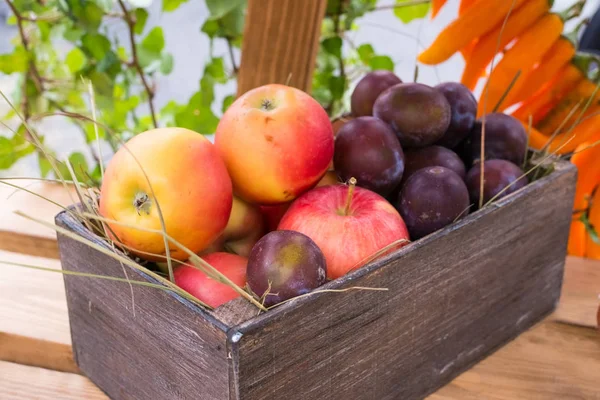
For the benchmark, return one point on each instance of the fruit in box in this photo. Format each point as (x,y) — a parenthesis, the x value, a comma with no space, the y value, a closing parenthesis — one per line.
(208,290)
(367,149)
(277,142)
(433,156)
(245,226)
(285,264)
(191,185)
(501,178)
(368,89)
(505,139)
(463,107)
(348,224)
(431,199)
(419,114)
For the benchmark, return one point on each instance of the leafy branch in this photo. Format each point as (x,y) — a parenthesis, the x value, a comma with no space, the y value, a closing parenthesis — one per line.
(32,71)
(136,62)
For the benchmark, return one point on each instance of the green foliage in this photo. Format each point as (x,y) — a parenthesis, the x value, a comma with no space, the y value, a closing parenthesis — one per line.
(409,13)
(55,81)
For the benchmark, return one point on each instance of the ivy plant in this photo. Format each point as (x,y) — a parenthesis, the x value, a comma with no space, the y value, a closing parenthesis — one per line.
(53,81)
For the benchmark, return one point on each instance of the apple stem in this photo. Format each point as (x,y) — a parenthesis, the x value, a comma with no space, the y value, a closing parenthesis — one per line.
(351,186)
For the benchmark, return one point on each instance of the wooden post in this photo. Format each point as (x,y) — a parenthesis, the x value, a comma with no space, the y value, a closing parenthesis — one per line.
(281,39)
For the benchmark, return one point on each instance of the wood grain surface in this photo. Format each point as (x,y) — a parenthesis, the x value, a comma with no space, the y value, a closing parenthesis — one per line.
(454,297)
(551,361)
(20,235)
(281,39)
(20,382)
(32,302)
(139,342)
(581,293)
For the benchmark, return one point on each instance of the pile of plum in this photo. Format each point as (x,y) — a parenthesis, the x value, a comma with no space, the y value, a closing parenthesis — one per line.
(420,148)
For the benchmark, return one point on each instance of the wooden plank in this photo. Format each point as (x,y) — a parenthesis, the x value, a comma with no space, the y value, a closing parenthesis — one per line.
(580,295)
(19,382)
(20,235)
(550,361)
(37,353)
(281,40)
(454,297)
(32,302)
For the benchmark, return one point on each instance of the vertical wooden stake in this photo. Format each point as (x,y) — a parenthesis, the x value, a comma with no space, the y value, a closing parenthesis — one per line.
(281,39)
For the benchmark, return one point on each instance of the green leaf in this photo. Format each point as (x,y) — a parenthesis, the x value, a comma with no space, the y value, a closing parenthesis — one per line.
(227,101)
(44,28)
(73,33)
(80,167)
(166,64)
(110,64)
(218,8)
(149,51)
(172,5)
(96,45)
(381,62)
(45,166)
(216,69)
(141,16)
(103,84)
(105,5)
(337,85)
(408,13)
(232,23)
(85,14)
(12,149)
(210,27)
(75,60)
(333,46)
(15,61)
(154,41)
(365,52)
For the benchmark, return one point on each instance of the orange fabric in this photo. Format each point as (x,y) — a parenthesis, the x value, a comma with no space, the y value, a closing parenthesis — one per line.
(436,5)
(538,105)
(561,52)
(527,51)
(574,104)
(477,20)
(464,5)
(486,47)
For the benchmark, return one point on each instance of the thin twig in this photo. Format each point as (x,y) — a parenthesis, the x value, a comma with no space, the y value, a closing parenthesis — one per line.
(136,62)
(231,56)
(32,67)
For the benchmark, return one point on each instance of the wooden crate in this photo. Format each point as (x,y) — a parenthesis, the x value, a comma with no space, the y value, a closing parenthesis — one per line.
(454,297)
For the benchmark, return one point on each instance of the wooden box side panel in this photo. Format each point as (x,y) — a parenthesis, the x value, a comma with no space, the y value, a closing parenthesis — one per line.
(453,298)
(139,342)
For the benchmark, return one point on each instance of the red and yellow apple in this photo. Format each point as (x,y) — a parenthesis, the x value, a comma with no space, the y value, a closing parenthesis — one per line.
(245,227)
(349,224)
(191,185)
(276,141)
(208,290)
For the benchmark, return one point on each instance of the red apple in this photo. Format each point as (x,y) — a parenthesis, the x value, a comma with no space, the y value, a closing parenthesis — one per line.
(191,185)
(349,224)
(245,227)
(277,142)
(208,290)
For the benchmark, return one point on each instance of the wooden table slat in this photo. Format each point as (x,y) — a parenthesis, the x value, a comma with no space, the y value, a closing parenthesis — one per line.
(18,382)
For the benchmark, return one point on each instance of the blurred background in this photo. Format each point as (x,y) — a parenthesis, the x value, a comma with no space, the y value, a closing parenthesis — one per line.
(190,49)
